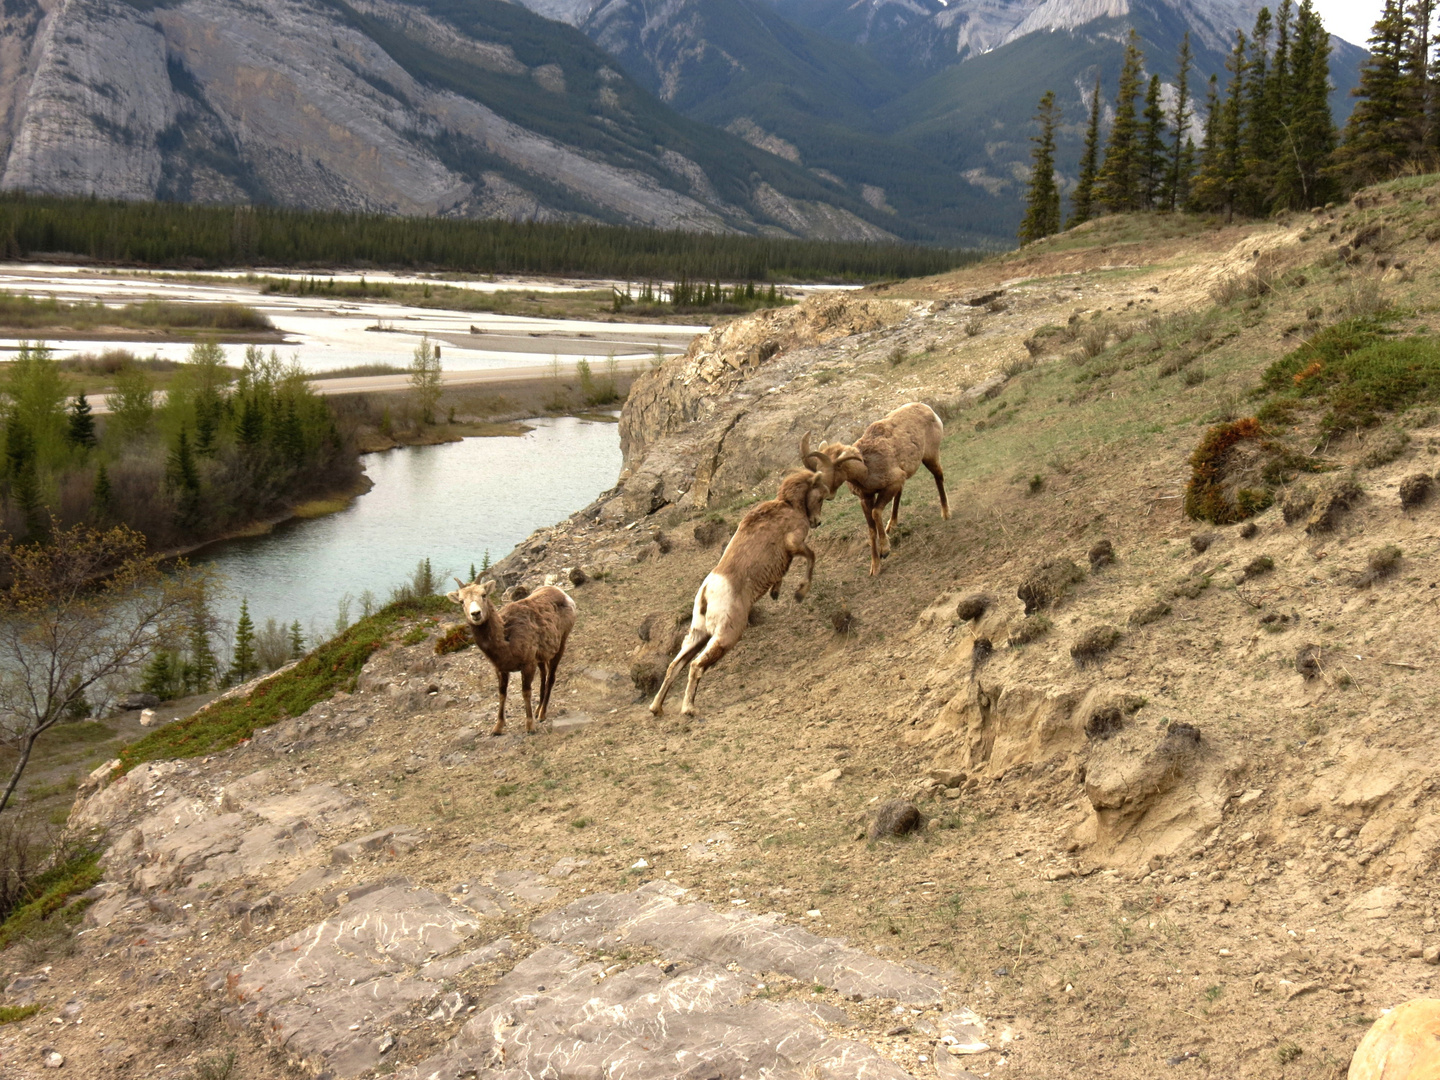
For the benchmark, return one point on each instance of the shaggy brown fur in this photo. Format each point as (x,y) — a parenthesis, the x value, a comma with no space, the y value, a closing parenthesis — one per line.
(525,636)
(882,459)
(767,540)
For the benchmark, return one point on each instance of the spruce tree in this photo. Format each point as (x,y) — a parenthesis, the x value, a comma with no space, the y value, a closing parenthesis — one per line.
(1420,81)
(1177,184)
(1302,178)
(160,674)
(22,473)
(1255,175)
(202,667)
(1378,137)
(1217,186)
(1152,148)
(82,425)
(1119,180)
(243,661)
(1042,205)
(100,495)
(297,641)
(1082,202)
(1209,148)
(182,476)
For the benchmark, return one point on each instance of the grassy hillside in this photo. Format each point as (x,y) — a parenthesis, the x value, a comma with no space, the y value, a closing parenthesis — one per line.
(1182,815)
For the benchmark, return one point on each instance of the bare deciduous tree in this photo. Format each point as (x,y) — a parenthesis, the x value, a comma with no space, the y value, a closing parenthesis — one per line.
(80,612)
(425,378)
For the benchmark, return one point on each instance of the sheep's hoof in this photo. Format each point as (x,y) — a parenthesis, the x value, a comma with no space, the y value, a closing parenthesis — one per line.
(945,513)
(688,710)
(657,710)
(800,595)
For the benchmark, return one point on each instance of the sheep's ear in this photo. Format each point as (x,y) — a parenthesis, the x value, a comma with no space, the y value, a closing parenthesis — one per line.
(487,588)
(453,597)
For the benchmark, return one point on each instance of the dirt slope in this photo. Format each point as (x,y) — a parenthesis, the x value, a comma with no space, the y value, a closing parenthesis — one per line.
(1205,839)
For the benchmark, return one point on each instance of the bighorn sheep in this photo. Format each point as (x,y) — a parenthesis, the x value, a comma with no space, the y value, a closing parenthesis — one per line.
(767,540)
(524,635)
(882,459)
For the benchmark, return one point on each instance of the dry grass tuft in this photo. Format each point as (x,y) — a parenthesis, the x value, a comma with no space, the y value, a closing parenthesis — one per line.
(1032,628)
(1383,562)
(974,606)
(1102,554)
(1095,642)
(1261,564)
(1146,614)
(1047,583)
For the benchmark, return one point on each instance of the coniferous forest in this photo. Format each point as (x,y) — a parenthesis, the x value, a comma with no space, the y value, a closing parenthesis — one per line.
(208,456)
(1269,142)
(205,237)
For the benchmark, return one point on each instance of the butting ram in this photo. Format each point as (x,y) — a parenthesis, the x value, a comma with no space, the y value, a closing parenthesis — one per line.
(769,537)
(876,467)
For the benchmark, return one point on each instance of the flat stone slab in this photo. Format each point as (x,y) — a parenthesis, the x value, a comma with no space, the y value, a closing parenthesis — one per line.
(321,805)
(555,1015)
(339,995)
(653,915)
(330,993)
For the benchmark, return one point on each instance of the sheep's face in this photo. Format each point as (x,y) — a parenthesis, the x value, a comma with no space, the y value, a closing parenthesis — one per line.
(474,600)
(815,500)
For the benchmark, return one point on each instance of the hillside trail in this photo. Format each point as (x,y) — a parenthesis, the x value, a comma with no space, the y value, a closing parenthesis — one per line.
(1183,816)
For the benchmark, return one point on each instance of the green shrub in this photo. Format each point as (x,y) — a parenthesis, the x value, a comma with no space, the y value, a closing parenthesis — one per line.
(1211,494)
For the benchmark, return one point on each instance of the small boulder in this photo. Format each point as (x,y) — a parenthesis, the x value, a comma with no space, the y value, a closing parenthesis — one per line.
(895,818)
(1414,490)
(1401,1044)
(147,717)
(131,702)
(973,607)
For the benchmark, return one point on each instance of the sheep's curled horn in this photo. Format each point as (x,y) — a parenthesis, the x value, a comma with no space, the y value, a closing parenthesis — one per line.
(811,459)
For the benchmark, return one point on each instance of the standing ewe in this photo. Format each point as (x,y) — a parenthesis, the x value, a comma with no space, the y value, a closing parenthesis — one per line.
(522,636)
(882,459)
(755,561)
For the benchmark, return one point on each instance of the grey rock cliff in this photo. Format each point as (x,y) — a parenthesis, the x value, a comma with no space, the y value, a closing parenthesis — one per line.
(375,106)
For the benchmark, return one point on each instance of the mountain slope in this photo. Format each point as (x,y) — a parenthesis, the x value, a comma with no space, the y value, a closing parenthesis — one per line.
(921,107)
(479,108)
(739,66)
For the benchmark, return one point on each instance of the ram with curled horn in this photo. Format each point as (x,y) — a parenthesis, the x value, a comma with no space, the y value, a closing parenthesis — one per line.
(769,537)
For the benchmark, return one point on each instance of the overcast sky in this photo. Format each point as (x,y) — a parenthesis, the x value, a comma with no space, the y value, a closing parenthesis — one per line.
(1349,19)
